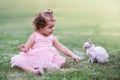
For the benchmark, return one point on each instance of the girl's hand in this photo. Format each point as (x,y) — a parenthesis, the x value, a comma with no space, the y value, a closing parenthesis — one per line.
(76,58)
(22,48)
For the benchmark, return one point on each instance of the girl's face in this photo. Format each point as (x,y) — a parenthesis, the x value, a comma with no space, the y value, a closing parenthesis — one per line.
(47,30)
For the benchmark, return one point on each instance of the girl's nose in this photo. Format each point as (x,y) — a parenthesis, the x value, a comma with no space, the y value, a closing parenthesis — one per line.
(53,29)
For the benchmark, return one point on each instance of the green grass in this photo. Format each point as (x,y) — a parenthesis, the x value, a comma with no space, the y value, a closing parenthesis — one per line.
(77,20)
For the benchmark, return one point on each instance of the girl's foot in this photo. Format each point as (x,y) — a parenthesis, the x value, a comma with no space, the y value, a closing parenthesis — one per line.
(39,72)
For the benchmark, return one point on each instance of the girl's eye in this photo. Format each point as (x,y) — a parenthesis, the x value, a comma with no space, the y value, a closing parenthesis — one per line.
(51,27)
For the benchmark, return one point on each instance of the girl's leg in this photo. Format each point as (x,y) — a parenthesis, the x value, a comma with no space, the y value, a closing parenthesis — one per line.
(27,67)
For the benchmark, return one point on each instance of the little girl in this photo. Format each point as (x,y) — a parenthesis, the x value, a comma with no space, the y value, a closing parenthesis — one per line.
(39,52)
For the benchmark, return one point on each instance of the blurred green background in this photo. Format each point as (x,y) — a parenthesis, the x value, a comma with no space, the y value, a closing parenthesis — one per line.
(77,20)
(105,14)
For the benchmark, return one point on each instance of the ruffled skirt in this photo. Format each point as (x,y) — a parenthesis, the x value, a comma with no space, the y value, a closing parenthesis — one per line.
(39,58)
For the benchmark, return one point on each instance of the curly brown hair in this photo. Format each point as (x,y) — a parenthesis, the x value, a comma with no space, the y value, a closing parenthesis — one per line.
(40,21)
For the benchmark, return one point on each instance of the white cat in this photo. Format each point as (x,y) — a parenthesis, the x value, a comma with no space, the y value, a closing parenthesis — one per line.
(95,53)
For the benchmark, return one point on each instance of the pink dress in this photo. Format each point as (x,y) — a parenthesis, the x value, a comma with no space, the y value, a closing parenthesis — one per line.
(41,55)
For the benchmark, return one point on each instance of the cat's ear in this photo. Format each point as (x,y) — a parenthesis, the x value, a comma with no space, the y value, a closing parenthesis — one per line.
(89,41)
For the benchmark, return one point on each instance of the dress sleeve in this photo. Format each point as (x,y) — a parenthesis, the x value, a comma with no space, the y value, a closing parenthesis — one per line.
(52,38)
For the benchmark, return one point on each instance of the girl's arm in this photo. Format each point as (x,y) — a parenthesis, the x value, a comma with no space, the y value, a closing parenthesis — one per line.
(28,44)
(64,49)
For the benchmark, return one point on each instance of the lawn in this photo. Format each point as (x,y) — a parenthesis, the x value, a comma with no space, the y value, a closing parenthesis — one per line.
(77,20)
